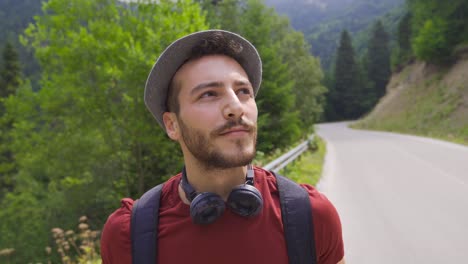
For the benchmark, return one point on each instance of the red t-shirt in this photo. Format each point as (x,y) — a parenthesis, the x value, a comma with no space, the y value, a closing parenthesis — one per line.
(232,238)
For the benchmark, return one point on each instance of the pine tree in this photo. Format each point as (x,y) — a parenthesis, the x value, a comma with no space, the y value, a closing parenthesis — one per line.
(378,71)
(404,38)
(10,74)
(346,94)
(10,80)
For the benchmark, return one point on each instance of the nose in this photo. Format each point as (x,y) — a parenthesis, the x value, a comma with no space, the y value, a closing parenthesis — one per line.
(233,108)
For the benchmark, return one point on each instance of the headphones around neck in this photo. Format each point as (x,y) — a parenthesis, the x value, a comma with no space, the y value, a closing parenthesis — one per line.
(206,207)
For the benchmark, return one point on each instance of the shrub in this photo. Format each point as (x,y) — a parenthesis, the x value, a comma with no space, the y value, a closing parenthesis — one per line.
(72,247)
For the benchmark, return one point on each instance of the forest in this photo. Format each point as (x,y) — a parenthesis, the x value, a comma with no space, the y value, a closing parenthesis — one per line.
(322,21)
(75,136)
(429,31)
(83,139)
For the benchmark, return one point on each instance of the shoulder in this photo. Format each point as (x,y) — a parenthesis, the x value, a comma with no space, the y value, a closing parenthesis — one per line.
(115,239)
(265,178)
(324,213)
(327,227)
(322,208)
(325,219)
(325,216)
(118,221)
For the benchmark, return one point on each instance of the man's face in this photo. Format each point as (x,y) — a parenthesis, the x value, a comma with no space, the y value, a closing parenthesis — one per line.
(217,120)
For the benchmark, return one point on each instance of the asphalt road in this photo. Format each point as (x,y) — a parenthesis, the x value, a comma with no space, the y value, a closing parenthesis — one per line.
(402,199)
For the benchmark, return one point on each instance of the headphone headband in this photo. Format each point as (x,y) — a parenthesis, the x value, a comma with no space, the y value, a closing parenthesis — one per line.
(189,191)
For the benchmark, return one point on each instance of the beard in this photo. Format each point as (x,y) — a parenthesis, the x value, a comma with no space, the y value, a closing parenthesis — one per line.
(204,149)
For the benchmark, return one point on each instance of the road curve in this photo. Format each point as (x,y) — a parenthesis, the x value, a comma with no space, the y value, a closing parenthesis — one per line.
(402,199)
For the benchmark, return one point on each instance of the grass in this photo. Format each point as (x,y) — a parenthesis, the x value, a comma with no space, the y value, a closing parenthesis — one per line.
(69,247)
(308,167)
(80,247)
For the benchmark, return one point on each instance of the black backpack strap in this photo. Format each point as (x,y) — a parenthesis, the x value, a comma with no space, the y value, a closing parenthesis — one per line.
(296,212)
(144,227)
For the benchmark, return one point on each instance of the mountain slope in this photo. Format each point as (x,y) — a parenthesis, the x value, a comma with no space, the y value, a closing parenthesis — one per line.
(425,100)
(322,21)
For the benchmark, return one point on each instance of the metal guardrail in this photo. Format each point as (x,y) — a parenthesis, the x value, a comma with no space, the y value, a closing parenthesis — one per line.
(288,157)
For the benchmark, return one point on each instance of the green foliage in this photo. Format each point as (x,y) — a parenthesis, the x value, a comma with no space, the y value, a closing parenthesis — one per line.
(279,125)
(347,90)
(291,76)
(431,42)
(438,27)
(357,84)
(323,21)
(404,35)
(10,72)
(378,63)
(23,227)
(307,74)
(403,52)
(85,139)
(224,14)
(10,80)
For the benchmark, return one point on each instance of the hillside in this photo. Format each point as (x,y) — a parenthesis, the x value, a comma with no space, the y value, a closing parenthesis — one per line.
(322,21)
(425,100)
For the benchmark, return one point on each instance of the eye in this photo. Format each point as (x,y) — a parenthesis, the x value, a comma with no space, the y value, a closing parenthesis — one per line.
(245,91)
(208,94)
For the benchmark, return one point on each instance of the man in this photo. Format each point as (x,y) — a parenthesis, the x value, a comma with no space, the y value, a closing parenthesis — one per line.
(219,209)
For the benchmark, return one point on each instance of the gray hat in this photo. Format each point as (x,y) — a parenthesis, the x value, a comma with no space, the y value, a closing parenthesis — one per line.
(176,54)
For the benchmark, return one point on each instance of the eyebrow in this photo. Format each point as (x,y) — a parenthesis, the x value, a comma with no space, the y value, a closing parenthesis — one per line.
(242,83)
(215,84)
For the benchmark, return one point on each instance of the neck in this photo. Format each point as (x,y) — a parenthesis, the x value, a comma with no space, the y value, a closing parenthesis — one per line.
(219,181)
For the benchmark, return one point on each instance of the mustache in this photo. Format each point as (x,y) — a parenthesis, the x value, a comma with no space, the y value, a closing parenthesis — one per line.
(246,124)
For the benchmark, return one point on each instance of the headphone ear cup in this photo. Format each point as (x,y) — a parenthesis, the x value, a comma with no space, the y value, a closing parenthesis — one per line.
(245,200)
(206,208)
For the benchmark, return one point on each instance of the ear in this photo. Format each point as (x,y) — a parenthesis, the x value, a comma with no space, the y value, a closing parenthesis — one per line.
(171,124)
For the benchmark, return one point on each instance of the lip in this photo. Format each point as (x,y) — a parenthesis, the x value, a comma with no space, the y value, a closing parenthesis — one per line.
(235,131)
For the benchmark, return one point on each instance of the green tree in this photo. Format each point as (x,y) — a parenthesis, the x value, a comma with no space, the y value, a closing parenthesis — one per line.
(404,39)
(438,26)
(279,124)
(329,82)
(431,44)
(378,63)
(346,95)
(225,14)
(305,71)
(10,73)
(85,139)
(291,98)
(10,80)
(367,96)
